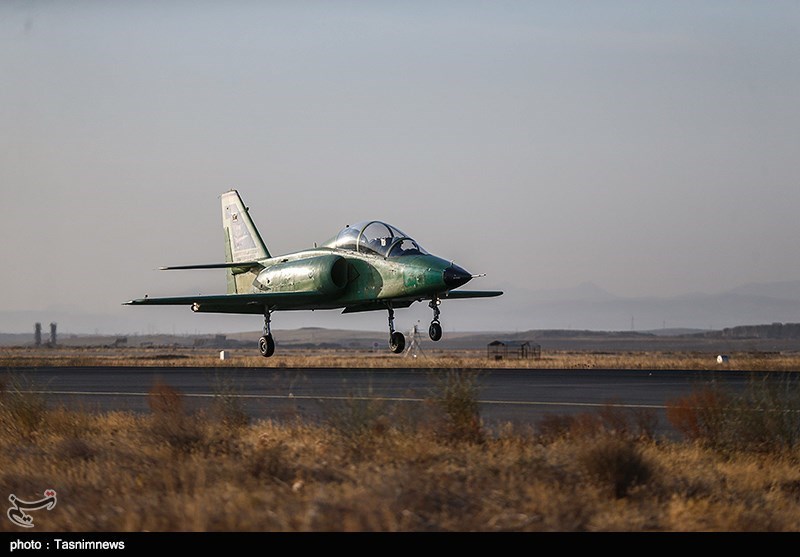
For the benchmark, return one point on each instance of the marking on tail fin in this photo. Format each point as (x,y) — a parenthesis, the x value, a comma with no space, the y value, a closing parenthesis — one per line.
(243,243)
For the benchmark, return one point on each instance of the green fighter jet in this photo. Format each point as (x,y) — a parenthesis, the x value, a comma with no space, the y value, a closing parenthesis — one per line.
(365,267)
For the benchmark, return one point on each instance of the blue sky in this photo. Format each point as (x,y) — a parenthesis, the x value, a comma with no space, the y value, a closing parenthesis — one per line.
(649,148)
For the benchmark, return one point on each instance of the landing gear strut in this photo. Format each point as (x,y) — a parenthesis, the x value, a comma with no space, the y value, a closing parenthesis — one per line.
(397,342)
(435,330)
(266,345)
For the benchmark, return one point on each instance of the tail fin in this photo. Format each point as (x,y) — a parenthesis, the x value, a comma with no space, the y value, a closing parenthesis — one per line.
(242,240)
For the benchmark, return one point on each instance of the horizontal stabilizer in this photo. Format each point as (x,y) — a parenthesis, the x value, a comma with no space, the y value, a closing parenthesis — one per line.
(238,265)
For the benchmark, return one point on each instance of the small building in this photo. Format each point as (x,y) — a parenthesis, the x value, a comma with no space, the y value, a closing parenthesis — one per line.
(513,349)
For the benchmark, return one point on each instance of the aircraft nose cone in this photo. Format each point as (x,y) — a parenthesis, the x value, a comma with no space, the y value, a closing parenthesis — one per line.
(455,276)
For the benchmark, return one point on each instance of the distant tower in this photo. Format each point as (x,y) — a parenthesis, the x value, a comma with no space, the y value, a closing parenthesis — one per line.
(52,334)
(414,347)
(37,335)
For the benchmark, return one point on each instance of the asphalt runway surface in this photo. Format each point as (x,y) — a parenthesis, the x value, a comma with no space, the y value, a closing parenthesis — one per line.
(517,396)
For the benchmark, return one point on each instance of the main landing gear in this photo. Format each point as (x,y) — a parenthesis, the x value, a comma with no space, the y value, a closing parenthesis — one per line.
(266,345)
(397,342)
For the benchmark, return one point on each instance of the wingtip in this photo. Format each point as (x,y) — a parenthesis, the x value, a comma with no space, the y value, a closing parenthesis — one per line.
(135,302)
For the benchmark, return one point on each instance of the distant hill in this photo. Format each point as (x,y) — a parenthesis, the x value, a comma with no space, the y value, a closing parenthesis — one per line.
(786,290)
(773,337)
(675,332)
(772,331)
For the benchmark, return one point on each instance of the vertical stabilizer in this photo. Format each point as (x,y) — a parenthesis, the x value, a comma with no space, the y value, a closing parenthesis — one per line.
(242,240)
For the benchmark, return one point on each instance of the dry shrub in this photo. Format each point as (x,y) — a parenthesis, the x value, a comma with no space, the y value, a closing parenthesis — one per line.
(632,423)
(73,448)
(294,477)
(22,409)
(359,422)
(409,418)
(646,422)
(552,427)
(164,400)
(766,417)
(70,423)
(455,395)
(610,420)
(227,407)
(555,427)
(271,461)
(170,423)
(437,496)
(699,415)
(768,414)
(586,425)
(615,463)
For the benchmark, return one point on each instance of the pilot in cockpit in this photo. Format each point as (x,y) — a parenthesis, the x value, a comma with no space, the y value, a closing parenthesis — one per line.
(379,245)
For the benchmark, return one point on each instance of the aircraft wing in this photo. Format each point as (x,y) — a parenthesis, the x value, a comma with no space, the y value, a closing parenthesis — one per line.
(236,303)
(461,294)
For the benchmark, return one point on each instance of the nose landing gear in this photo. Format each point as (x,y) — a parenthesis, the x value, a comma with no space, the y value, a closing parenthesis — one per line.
(435,330)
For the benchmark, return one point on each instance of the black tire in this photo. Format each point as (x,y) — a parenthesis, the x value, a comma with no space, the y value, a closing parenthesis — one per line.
(266,346)
(435,331)
(397,342)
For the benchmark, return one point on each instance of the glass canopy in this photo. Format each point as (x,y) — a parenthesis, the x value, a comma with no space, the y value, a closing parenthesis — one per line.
(375,237)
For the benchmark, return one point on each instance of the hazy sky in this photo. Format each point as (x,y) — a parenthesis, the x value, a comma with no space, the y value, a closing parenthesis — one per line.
(651,148)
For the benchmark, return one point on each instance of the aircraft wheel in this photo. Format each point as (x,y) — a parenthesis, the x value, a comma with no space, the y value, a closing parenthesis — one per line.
(435,331)
(397,342)
(266,346)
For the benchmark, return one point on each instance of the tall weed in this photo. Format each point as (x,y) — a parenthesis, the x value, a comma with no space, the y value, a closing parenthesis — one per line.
(455,395)
(22,409)
(358,420)
(616,464)
(170,422)
(764,417)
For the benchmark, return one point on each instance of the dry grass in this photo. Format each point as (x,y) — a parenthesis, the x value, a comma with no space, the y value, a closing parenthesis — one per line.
(465,359)
(370,467)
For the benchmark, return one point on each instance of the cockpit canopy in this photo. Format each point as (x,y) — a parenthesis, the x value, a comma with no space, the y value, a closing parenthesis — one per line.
(375,237)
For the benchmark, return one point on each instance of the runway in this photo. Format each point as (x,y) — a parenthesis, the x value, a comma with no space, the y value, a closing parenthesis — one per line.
(518,396)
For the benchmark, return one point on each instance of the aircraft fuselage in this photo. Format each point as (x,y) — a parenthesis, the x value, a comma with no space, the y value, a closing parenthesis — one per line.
(353,280)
